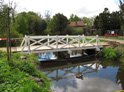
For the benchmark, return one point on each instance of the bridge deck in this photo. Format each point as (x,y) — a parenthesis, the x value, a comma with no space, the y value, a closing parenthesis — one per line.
(47,49)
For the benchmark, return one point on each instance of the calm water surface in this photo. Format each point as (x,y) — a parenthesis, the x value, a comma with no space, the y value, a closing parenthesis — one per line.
(84,75)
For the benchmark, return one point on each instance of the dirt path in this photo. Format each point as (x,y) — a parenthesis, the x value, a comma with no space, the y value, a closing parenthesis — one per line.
(120,41)
(114,44)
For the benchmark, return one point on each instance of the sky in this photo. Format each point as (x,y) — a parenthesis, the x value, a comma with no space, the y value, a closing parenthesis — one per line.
(82,8)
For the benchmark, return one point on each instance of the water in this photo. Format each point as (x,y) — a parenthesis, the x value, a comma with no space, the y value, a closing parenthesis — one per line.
(84,75)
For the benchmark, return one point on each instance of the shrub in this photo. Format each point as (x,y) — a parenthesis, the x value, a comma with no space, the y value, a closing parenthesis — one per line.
(109,53)
(122,56)
(15,75)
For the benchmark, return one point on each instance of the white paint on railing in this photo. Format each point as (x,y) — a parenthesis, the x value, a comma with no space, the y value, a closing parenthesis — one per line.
(58,42)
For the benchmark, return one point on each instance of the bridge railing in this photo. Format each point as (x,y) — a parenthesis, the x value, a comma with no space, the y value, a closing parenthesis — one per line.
(34,43)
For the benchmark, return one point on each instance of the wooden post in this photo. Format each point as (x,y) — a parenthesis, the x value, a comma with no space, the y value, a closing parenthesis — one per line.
(25,40)
(67,39)
(79,40)
(48,40)
(8,43)
(83,38)
(56,41)
(97,40)
(29,45)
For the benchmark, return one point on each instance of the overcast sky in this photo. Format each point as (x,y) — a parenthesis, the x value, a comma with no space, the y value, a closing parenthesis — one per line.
(88,8)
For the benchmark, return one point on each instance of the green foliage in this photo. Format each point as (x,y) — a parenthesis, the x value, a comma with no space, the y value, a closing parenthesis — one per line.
(96,22)
(31,16)
(122,56)
(89,21)
(29,86)
(48,31)
(30,23)
(59,23)
(23,24)
(109,53)
(39,26)
(107,21)
(13,31)
(14,75)
(69,30)
(121,6)
(3,18)
(74,18)
(77,31)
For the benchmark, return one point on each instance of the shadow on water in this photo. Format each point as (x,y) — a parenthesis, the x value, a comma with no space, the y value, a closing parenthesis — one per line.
(48,56)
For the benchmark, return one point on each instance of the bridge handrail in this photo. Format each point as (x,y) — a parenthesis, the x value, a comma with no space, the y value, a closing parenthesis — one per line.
(56,40)
(59,36)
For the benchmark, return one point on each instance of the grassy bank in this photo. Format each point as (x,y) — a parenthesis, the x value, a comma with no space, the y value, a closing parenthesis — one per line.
(116,53)
(19,75)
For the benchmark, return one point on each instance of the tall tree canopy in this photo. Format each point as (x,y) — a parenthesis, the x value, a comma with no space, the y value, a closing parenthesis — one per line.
(74,18)
(107,21)
(89,21)
(23,23)
(121,6)
(30,23)
(3,18)
(58,23)
(39,26)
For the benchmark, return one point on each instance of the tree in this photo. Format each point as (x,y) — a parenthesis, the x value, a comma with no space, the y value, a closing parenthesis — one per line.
(58,23)
(96,22)
(87,20)
(39,26)
(107,21)
(121,6)
(74,18)
(115,22)
(31,18)
(102,22)
(30,23)
(23,23)
(3,19)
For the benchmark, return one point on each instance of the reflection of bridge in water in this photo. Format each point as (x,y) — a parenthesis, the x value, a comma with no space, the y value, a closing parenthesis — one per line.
(70,69)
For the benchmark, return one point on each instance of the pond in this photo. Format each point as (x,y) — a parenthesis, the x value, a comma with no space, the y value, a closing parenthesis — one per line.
(84,75)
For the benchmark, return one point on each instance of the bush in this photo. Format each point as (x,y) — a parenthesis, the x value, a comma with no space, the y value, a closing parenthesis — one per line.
(77,31)
(15,75)
(109,53)
(122,56)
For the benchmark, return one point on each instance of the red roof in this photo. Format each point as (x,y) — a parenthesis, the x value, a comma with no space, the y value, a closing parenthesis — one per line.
(77,23)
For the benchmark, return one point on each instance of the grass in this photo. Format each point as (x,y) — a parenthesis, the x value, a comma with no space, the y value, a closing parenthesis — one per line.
(117,38)
(88,39)
(109,53)
(122,56)
(95,40)
(117,53)
(15,74)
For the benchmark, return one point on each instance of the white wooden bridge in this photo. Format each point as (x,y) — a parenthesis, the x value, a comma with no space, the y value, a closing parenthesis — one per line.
(39,44)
